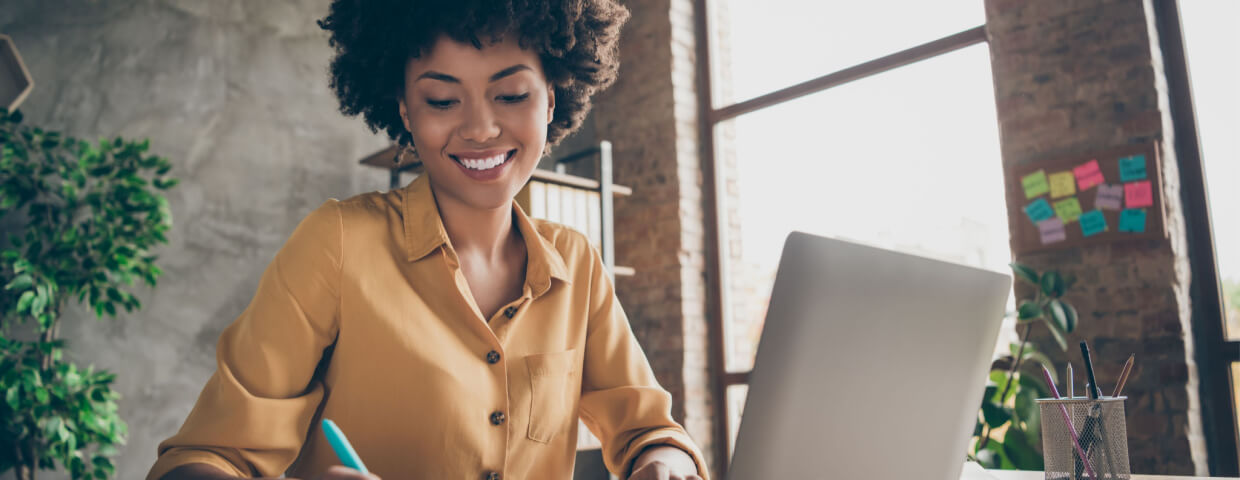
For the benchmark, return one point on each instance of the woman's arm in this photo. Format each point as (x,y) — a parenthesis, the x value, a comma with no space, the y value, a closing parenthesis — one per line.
(202,471)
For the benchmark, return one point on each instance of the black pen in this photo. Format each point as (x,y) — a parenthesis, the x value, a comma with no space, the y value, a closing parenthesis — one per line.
(1093,390)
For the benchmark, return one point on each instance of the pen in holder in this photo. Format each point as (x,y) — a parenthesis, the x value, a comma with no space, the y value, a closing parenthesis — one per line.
(1101,430)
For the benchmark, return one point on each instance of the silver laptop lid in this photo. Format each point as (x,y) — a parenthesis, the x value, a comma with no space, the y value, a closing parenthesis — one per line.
(871,364)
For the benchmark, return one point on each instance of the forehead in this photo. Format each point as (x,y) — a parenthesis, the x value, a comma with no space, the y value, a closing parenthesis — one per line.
(464,61)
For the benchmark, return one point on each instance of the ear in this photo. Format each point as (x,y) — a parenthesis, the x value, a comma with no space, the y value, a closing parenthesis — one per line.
(404,113)
(550,104)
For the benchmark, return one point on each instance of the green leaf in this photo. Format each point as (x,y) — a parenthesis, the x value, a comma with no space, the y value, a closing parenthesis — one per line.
(1063,343)
(23,303)
(1026,406)
(1025,273)
(1018,450)
(1028,310)
(1052,284)
(1059,316)
(21,282)
(995,415)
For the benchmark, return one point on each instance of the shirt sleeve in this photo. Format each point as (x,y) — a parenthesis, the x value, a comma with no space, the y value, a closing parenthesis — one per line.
(255,411)
(621,401)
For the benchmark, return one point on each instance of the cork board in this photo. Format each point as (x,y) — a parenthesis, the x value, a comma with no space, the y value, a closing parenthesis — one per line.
(1106,196)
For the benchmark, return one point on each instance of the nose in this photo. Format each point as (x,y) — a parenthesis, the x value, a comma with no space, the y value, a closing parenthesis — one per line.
(479,125)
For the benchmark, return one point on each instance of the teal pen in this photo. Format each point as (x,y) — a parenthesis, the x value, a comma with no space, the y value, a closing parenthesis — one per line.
(340,444)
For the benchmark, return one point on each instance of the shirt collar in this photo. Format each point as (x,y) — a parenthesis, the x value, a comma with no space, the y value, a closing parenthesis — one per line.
(424,232)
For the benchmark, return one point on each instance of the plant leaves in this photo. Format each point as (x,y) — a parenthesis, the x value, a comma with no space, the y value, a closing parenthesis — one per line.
(1052,284)
(1018,450)
(1059,316)
(1025,273)
(1028,310)
(995,415)
(1063,343)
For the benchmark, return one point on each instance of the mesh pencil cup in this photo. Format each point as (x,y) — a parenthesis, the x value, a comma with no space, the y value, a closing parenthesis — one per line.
(1102,432)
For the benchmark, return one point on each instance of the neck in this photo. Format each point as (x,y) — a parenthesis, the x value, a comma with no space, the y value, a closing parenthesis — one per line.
(488,235)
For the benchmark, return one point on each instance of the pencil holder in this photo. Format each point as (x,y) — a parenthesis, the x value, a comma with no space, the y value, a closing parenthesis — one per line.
(1084,439)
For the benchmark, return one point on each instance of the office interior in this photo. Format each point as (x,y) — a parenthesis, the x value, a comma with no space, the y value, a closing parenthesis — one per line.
(922,127)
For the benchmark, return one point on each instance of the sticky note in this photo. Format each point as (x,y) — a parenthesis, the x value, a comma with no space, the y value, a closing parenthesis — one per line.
(1039,210)
(1035,184)
(1052,230)
(1132,221)
(1132,168)
(1138,194)
(1093,222)
(1068,209)
(1088,175)
(1110,197)
(1062,184)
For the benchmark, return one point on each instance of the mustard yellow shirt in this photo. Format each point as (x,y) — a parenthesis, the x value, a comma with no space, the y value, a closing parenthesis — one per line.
(363,317)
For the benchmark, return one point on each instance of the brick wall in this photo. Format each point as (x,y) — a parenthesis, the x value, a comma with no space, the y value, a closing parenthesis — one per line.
(650,116)
(1073,77)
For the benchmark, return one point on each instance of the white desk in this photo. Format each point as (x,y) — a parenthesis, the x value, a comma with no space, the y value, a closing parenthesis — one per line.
(1018,475)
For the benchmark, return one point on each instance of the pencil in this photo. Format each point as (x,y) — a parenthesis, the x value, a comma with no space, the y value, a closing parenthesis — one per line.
(1123,376)
(1068,420)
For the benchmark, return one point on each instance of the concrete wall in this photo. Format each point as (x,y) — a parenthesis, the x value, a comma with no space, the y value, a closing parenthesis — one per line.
(235,94)
(1076,77)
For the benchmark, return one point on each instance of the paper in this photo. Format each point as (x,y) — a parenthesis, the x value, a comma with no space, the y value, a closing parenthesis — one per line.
(1110,197)
(1088,175)
(1093,222)
(1051,230)
(1039,210)
(1035,184)
(1132,168)
(1068,209)
(1062,184)
(1132,221)
(1138,194)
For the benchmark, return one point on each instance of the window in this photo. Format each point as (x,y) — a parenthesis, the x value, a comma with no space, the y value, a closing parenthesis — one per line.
(893,112)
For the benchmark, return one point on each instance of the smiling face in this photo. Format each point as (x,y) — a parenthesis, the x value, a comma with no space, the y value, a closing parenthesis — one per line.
(478,118)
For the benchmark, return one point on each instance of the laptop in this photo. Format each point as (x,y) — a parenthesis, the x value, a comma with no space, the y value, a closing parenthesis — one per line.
(871,365)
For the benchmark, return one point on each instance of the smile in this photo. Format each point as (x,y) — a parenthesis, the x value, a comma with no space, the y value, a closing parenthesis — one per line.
(484,163)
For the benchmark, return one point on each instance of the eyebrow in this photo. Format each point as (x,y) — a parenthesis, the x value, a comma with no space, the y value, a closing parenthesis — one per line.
(443,77)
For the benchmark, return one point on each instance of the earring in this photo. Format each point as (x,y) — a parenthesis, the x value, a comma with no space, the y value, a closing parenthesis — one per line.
(402,152)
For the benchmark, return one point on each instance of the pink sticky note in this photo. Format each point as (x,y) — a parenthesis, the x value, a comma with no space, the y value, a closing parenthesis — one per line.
(1110,197)
(1138,194)
(1052,230)
(1088,175)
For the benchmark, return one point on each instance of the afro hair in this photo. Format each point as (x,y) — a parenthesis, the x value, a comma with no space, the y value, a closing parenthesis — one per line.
(576,41)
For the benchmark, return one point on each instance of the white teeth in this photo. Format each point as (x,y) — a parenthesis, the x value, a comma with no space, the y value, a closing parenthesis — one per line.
(484,163)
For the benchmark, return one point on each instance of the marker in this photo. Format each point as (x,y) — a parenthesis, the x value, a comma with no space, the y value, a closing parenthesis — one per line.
(340,444)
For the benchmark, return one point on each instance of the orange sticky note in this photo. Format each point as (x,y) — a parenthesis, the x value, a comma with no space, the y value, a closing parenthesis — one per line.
(1088,175)
(1062,184)
(1138,194)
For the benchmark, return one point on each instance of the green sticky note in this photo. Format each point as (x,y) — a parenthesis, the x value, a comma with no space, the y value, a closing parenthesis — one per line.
(1093,222)
(1039,210)
(1132,221)
(1035,184)
(1132,168)
(1068,209)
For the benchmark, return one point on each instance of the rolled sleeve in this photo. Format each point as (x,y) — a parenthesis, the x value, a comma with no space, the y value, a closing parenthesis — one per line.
(253,415)
(622,402)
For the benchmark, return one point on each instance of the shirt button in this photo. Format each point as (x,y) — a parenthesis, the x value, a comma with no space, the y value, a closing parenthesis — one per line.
(492,476)
(492,357)
(497,418)
(510,311)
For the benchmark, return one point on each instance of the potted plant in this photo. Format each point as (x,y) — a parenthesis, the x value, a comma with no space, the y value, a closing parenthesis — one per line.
(88,217)
(1008,433)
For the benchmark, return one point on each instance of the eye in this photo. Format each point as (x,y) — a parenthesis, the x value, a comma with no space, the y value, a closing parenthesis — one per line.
(440,104)
(513,98)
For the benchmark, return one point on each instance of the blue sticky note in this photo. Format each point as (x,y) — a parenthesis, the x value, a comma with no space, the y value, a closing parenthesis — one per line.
(1039,210)
(1093,222)
(1132,220)
(1132,168)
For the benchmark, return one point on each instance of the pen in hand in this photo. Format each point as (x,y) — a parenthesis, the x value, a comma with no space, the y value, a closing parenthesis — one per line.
(344,451)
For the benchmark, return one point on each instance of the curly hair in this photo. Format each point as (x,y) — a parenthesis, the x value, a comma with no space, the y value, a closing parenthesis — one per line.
(576,40)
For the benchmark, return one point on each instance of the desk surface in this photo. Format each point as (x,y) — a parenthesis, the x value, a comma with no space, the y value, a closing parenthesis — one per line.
(1018,475)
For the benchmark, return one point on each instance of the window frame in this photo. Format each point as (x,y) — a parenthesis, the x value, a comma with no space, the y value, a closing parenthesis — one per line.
(717,304)
(1214,353)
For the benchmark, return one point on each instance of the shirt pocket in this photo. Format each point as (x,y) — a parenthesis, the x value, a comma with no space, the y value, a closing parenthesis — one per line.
(551,376)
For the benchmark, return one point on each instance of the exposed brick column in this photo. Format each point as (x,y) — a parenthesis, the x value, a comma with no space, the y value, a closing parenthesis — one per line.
(650,116)
(1074,77)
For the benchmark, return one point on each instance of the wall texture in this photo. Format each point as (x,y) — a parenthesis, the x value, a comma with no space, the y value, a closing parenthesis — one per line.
(235,94)
(1075,77)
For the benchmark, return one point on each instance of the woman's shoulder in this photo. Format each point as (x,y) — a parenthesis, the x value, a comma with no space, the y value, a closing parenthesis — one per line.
(572,245)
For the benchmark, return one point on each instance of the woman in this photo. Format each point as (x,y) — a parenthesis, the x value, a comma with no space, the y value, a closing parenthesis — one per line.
(445,332)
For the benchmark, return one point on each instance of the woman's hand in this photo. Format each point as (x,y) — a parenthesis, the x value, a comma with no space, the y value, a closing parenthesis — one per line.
(664,463)
(338,472)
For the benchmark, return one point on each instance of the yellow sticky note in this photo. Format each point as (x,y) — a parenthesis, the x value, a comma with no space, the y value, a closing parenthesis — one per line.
(1068,209)
(1063,184)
